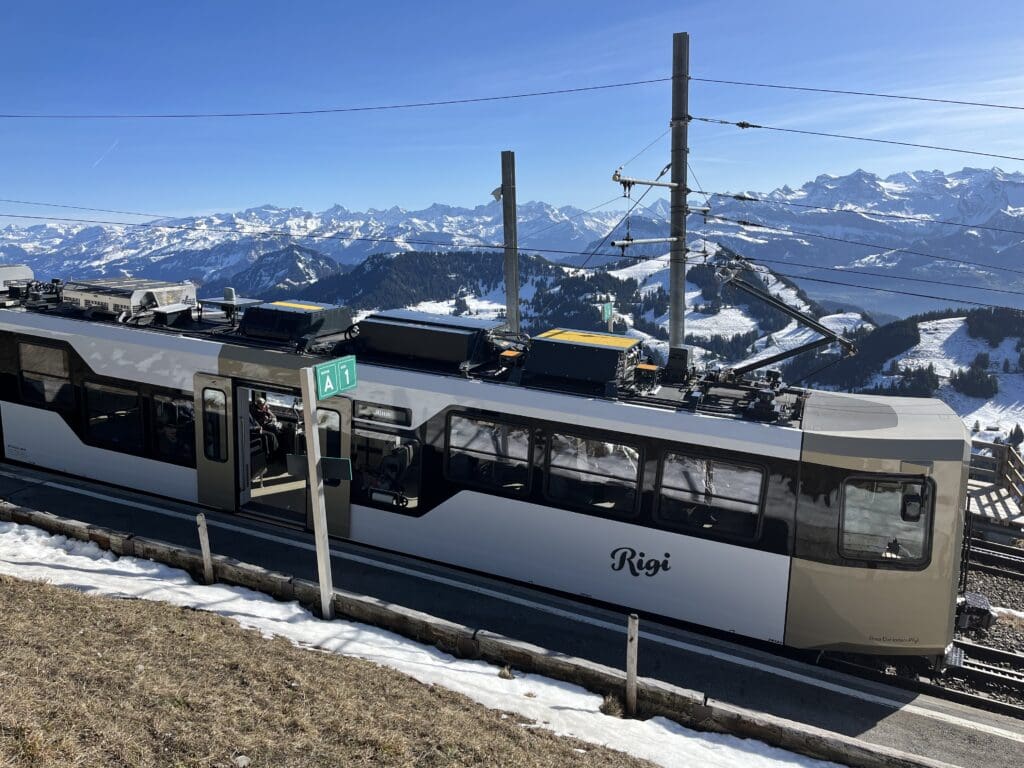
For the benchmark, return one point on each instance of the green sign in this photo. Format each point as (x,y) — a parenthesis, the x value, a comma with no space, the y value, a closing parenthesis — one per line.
(606,311)
(335,377)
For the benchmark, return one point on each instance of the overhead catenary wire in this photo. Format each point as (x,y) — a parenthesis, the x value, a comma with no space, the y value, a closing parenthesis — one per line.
(666,132)
(862,243)
(745,198)
(327,110)
(872,94)
(842,270)
(745,124)
(625,216)
(554,224)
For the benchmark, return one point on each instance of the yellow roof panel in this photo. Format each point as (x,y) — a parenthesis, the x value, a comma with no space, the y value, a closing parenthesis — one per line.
(588,337)
(296,305)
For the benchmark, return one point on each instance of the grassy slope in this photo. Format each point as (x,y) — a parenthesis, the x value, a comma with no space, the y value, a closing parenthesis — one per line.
(95,681)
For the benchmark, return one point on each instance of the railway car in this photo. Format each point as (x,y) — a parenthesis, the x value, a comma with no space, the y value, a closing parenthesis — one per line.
(813,519)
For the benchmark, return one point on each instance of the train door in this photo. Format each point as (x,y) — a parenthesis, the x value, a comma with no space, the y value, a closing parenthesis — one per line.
(271,442)
(215,452)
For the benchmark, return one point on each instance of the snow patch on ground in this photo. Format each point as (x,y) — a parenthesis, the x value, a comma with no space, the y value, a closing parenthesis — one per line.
(946,345)
(31,554)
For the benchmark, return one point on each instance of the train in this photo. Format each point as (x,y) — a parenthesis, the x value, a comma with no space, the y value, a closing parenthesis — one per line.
(568,460)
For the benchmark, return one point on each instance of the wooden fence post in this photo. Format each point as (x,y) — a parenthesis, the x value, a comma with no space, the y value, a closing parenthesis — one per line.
(204,545)
(632,640)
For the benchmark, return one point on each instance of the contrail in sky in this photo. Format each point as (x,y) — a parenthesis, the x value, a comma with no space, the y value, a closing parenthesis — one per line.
(103,157)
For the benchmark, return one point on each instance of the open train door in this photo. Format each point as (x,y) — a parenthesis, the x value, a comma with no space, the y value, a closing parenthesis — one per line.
(215,451)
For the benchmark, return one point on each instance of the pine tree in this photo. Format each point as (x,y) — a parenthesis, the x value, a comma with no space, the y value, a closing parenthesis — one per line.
(1006,365)
(1016,435)
(976,427)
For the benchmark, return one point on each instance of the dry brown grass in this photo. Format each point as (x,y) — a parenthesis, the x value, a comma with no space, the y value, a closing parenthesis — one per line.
(94,681)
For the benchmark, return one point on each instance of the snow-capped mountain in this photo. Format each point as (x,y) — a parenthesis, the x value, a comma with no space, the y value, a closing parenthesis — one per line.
(217,247)
(290,267)
(963,261)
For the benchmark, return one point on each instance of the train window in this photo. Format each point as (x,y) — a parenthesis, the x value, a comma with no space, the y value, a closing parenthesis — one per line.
(113,418)
(329,424)
(45,376)
(488,453)
(597,476)
(707,495)
(174,429)
(875,523)
(385,470)
(215,425)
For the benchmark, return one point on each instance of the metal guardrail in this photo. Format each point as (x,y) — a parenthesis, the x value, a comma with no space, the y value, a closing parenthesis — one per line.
(1000,465)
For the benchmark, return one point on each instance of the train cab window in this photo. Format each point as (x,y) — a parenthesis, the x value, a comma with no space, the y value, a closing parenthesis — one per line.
(594,475)
(215,425)
(174,429)
(113,418)
(45,376)
(886,521)
(716,497)
(491,454)
(385,470)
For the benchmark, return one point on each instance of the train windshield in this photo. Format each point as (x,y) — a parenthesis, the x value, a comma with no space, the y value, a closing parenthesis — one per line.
(876,524)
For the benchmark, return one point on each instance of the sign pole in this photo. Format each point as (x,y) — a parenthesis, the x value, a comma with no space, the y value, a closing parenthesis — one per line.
(316,488)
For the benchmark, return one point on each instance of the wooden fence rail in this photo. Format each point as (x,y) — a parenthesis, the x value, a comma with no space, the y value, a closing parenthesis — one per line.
(998,464)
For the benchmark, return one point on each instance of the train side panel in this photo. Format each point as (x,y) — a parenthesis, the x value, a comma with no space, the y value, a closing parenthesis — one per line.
(41,437)
(697,580)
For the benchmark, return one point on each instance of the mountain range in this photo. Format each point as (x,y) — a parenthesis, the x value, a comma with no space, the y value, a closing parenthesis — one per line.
(888,234)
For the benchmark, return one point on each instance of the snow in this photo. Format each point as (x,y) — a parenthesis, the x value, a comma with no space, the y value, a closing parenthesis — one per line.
(31,554)
(1009,613)
(795,334)
(487,306)
(946,345)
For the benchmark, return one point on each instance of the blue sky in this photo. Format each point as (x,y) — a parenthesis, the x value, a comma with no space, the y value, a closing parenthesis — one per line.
(235,56)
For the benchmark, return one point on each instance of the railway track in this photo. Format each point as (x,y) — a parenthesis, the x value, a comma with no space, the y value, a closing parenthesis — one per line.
(987,678)
(990,666)
(997,559)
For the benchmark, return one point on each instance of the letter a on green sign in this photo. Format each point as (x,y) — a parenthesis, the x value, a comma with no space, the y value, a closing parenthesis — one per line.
(326,380)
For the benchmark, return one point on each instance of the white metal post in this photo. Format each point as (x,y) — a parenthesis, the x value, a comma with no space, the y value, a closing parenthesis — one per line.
(316,490)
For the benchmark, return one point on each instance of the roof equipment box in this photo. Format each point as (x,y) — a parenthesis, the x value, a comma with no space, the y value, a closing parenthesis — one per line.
(584,356)
(294,321)
(443,339)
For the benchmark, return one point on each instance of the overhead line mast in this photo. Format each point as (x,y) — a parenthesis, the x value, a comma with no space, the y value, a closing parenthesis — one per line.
(678,356)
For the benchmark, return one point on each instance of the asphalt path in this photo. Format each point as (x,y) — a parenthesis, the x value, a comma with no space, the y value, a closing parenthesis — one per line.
(724,671)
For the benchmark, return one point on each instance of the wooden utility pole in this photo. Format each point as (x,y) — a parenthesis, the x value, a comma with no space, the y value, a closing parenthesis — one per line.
(508,202)
(677,199)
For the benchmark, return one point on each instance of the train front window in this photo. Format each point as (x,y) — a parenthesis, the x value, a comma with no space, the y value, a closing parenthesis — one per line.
(45,376)
(598,476)
(113,418)
(488,453)
(885,520)
(713,496)
(385,470)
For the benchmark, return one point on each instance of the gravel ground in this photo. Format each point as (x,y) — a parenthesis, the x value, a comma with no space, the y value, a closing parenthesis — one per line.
(1005,593)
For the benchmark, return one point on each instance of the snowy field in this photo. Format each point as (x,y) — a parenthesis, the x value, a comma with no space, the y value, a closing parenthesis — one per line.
(31,554)
(946,345)
(795,334)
